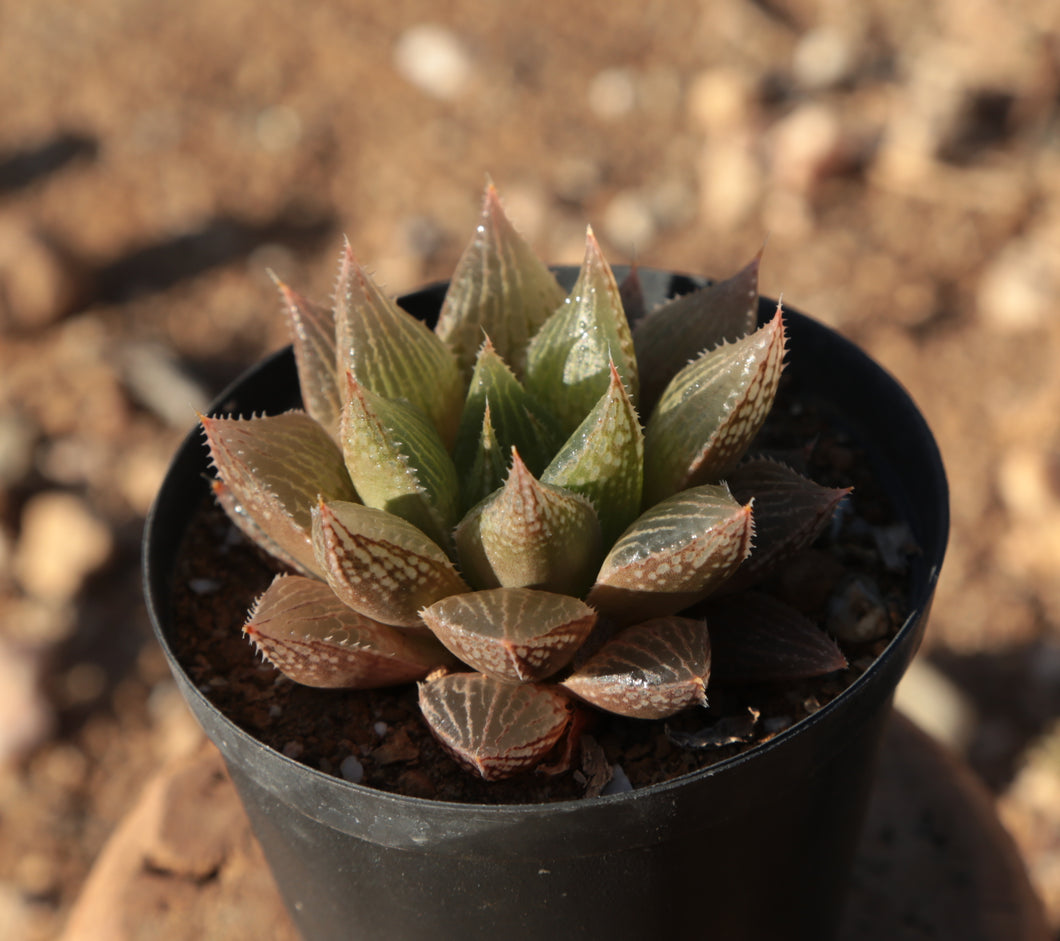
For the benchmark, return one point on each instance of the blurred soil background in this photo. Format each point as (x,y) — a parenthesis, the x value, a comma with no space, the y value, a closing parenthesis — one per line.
(902,157)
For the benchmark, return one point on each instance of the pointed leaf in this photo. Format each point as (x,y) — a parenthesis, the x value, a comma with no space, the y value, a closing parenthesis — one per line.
(756,638)
(302,629)
(499,289)
(381,565)
(649,671)
(238,515)
(518,419)
(274,469)
(391,352)
(675,554)
(497,729)
(711,411)
(488,467)
(569,361)
(397,461)
(791,511)
(604,461)
(514,634)
(312,330)
(680,329)
(530,535)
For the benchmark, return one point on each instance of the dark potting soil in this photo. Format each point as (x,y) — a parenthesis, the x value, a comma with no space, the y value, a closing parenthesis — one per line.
(378,737)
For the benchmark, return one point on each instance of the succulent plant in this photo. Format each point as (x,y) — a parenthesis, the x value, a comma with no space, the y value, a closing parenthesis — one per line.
(478,507)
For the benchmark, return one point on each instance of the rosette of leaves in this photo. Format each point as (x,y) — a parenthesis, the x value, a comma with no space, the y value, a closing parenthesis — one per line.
(480,508)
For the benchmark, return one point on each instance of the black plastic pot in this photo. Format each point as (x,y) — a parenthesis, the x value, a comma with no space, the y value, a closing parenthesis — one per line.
(755,847)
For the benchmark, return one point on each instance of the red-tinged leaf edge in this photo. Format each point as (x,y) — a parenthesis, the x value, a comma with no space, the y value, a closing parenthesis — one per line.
(681,328)
(518,635)
(650,671)
(496,729)
(756,638)
(791,511)
(711,411)
(303,630)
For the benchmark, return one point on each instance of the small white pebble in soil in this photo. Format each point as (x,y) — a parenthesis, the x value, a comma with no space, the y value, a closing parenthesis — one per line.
(351,769)
(204,586)
(275,711)
(293,749)
(380,729)
(619,782)
(857,612)
(775,724)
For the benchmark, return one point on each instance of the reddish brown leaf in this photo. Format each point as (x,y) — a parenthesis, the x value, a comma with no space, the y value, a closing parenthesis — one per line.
(379,564)
(238,515)
(514,634)
(791,511)
(497,729)
(649,671)
(312,330)
(274,469)
(682,328)
(673,555)
(303,630)
(754,637)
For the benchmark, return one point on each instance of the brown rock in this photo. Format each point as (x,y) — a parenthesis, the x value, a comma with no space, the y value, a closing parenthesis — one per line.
(62,542)
(38,283)
(182,865)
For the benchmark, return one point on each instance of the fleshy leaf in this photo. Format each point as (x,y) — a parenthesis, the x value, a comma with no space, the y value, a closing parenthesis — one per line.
(274,469)
(500,289)
(302,629)
(497,729)
(569,361)
(517,419)
(530,535)
(514,634)
(674,555)
(711,411)
(312,330)
(757,638)
(487,468)
(391,352)
(381,565)
(649,671)
(238,515)
(678,330)
(604,461)
(398,462)
(791,511)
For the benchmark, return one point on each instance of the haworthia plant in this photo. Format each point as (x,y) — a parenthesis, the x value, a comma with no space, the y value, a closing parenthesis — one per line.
(482,507)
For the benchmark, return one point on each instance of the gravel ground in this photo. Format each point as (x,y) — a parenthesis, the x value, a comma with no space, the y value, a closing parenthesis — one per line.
(902,158)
